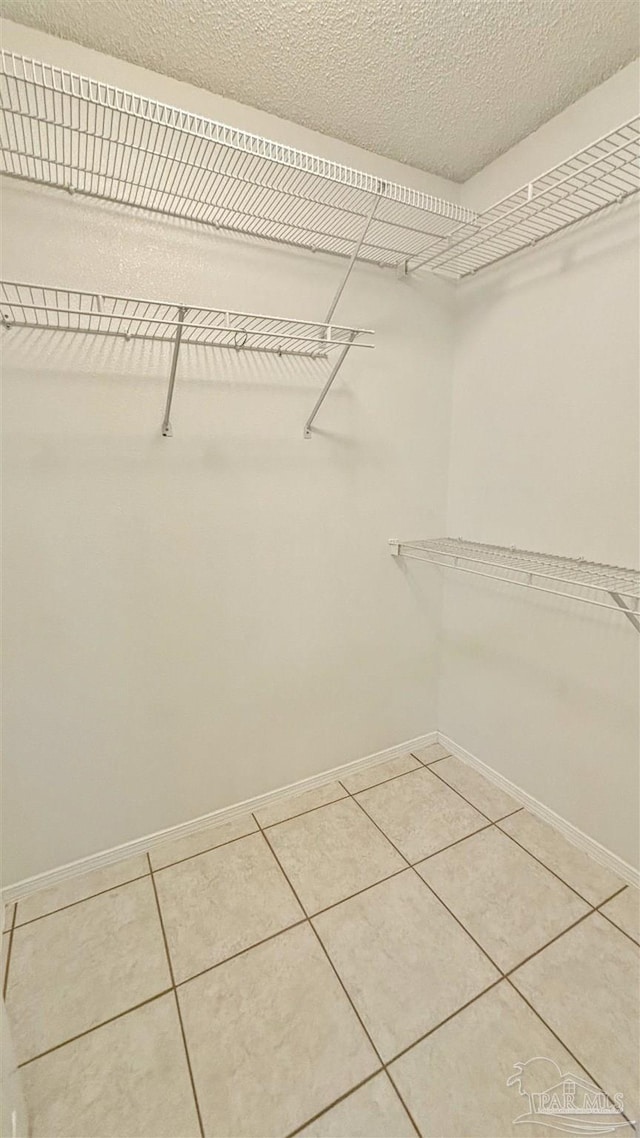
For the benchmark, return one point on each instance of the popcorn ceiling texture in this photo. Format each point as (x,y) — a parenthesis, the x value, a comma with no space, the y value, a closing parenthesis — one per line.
(443,85)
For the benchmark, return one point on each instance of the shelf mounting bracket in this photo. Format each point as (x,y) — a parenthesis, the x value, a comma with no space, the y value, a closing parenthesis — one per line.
(166,422)
(630,615)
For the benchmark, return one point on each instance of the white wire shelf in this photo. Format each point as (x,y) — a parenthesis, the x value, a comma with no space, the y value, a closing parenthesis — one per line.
(603,174)
(87,137)
(572,577)
(71,310)
(72,132)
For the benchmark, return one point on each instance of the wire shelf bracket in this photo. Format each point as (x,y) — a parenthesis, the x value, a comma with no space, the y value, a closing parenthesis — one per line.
(571,577)
(65,310)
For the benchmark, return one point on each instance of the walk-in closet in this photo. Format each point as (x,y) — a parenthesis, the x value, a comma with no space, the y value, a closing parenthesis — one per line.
(320,335)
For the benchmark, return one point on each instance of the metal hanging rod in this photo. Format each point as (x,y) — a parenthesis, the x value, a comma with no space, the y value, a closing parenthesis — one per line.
(603,174)
(69,310)
(572,577)
(76,133)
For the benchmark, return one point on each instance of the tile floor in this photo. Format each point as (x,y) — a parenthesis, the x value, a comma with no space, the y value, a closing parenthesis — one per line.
(370,959)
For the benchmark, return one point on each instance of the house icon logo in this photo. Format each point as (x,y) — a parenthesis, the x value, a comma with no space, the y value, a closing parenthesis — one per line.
(565,1101)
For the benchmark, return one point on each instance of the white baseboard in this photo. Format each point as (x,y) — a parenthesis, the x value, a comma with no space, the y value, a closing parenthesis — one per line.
(140,845)
(590,846)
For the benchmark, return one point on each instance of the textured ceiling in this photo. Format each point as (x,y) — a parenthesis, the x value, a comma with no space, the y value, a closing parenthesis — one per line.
(445,85)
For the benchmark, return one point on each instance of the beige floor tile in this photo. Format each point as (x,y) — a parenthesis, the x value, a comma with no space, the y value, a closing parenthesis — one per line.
(331,853)
(128,1079)
(510,903)
(624,911)
(272,1038)
(7,917)
(300,803)
(223,901)
(484,795)
(361,780)
(455,1082)
(591,880)
(203,840)
(373,1111)
(586,986)
(420,814)
(82,965)
(79,888)
(403,959)
(431,753)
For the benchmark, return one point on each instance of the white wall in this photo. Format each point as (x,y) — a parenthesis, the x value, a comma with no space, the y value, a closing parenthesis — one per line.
(544,455)
(193,621)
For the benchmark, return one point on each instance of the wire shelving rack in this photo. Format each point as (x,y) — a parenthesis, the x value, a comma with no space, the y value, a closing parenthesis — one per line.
(71,310)
(607,586)
(75,133)
(88,137)
(603,174)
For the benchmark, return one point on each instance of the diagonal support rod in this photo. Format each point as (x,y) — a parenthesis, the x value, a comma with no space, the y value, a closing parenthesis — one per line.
(630,615)
(332,307)
(325,390)
(166,422)
(354,256)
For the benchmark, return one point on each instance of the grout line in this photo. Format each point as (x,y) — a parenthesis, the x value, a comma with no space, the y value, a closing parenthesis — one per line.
(96,1027)
(607,899)
(438,760)
(5,981)
(162,928)
(301,813)
(347,793)
(341,1098)
(563,1044)
(494,822)
(317,936)
(463,926)
(277,859)
(240,952)
(80,901)
(190,857)
(460,795)
(426,883)
(615,926)
(447,1019)
(457,842)
(175,996)
(547,943)
(544,866)
(391,778)
(338,976)
(346,992)
(365,889)
(408,1112)
(341,981)
(510,815)
(499,970)
(598,909)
